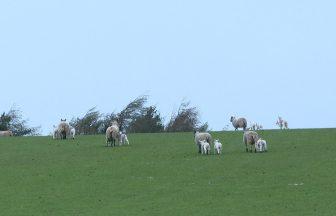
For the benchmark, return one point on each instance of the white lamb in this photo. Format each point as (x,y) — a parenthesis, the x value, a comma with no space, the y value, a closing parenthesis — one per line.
(205,147)
(261,145)
(217,147)
(123,138)
(72,132)
(55,133)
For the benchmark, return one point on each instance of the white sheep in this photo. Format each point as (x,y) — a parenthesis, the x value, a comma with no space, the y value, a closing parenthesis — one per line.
(261,145)
(238,123)
(198,137)
(123,138)
(205,147)
(217,147)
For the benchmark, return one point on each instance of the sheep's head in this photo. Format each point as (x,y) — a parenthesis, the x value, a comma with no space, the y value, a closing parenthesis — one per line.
(231,119)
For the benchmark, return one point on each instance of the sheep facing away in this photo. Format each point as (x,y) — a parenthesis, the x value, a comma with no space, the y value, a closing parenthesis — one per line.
(217,147)
(250,138)
(112,134)
(198,137)
(261,145)
(6,133)
(238,123)
(63,129)
(205,147)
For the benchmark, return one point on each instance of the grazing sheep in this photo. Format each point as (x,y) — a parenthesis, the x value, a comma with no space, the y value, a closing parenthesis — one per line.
(63,129)
(201,137)
(112,133)
(238,123)
(261,145)
(72,132)
(123,138)
(250,138)
(6,133)
(205,147)
(217,147)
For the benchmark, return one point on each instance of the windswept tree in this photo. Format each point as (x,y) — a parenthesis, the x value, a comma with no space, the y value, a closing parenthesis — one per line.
(89,123)
(13,120)
(186,119)
(106,121)
(132,111)
(150,122)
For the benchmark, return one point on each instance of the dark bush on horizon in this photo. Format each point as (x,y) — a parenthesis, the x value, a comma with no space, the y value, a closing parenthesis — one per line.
(150,122)
(13,120)
(186,119)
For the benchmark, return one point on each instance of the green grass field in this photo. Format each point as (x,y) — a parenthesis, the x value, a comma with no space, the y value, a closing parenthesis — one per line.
(162,174)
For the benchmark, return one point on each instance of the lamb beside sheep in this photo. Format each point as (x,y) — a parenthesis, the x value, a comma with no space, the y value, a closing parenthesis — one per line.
(205,147)
(261,145)
(250,138)
(123,138)
(238,123)
(56,134)
(198,137)
(72,132)
(217,147)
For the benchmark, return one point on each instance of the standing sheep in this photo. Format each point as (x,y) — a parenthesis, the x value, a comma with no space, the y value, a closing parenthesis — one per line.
(198,137)
(56,135)
(205,147)
(217,147)
(238,123)
(250,138)
(6,133)
(64,129)
(123,138)
(261,145)
(72,132)
(112,134)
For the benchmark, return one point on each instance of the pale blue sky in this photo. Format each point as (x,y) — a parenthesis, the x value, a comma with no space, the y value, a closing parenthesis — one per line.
(257,59)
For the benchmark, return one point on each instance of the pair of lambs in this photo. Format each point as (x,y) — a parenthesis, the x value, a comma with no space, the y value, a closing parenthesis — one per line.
(251,139)
(203,140)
